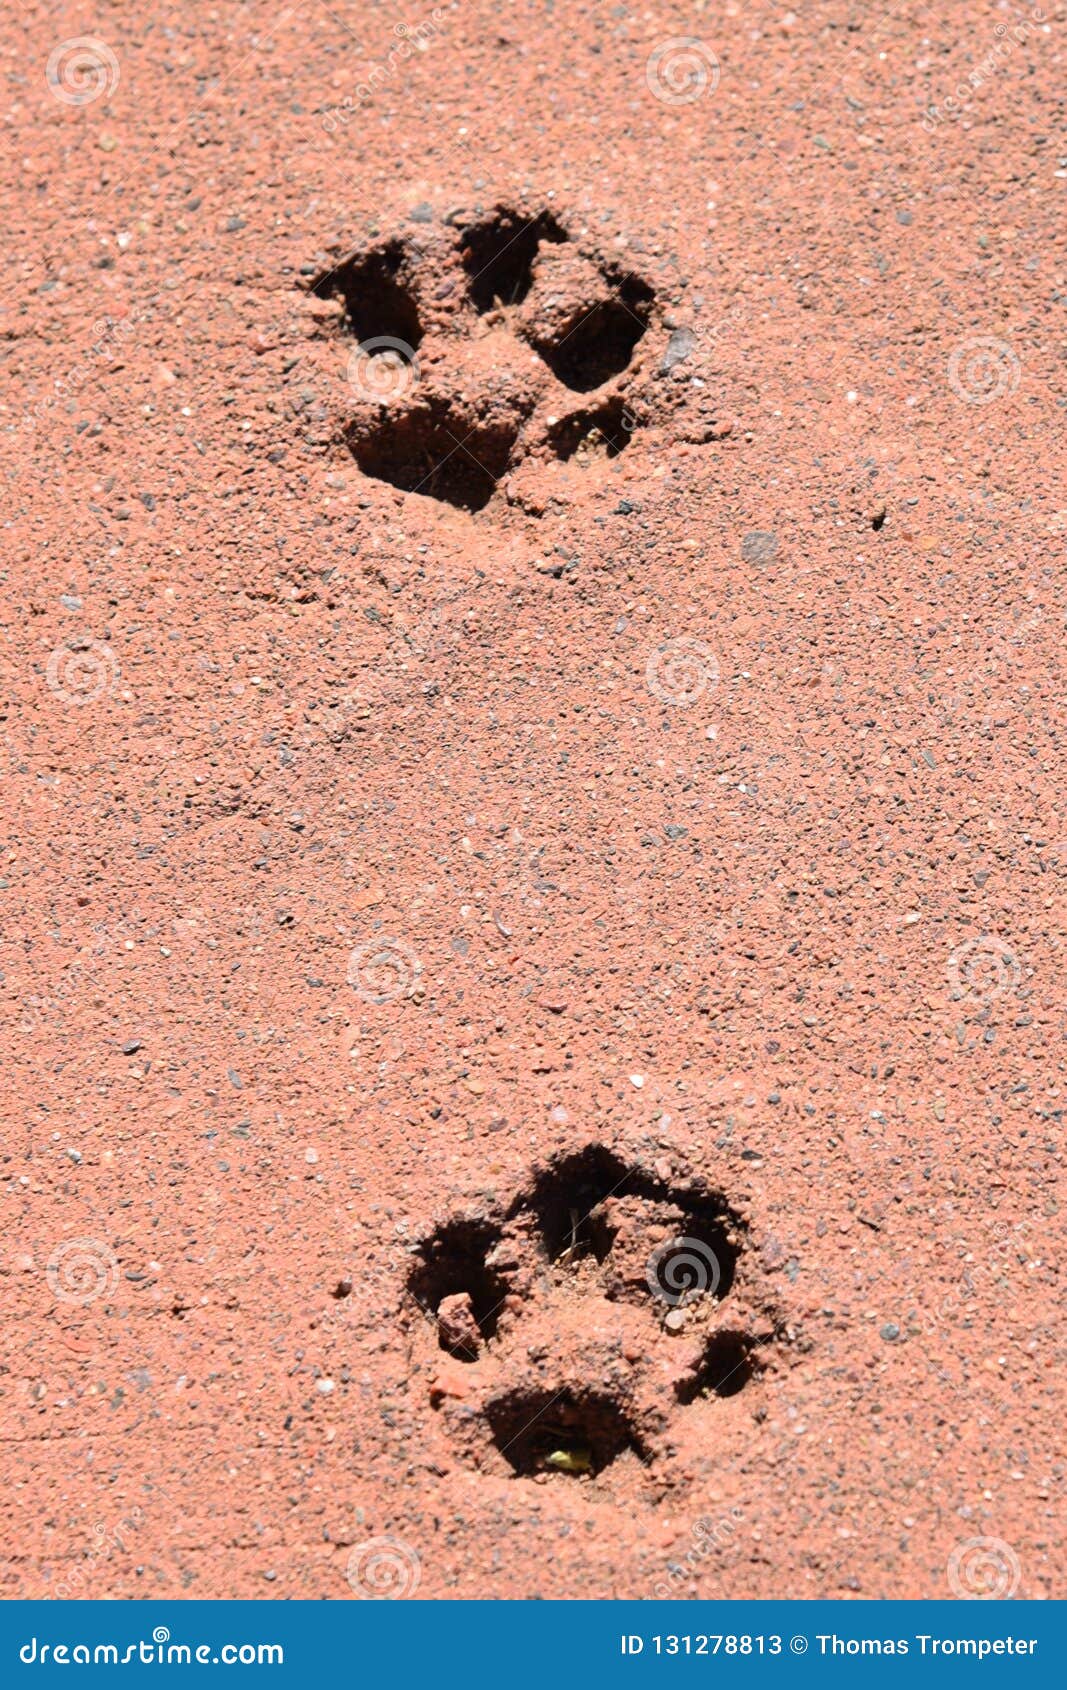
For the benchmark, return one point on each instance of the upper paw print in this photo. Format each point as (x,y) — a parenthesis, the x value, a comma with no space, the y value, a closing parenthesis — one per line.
(469,345)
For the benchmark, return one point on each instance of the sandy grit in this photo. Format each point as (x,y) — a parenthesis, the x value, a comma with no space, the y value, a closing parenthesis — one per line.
(534,835)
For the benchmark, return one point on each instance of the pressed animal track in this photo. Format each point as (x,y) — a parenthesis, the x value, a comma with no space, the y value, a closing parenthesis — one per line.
(432,447)
(542,1430)
(469,344)
(578,1322)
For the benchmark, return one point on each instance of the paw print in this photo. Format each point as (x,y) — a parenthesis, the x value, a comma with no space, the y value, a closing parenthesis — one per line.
(567,1333)
(471,343)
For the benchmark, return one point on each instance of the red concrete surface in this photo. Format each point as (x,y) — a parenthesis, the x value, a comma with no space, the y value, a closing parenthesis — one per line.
(644,821)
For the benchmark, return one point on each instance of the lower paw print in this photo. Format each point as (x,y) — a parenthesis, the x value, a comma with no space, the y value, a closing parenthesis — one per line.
(469,343)
(576,1334)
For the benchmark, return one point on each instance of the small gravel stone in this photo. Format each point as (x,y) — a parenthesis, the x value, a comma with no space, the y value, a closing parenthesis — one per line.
(679,347)
(457,1328)
(759,547)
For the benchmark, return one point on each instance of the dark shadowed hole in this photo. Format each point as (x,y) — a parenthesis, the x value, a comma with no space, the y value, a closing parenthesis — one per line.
(453,1260)
(378,301)
(699,1260)
(566,1195)
(602,429)
(498,255)
(725,1368)
(570,1433)
(434,451)
(599,344)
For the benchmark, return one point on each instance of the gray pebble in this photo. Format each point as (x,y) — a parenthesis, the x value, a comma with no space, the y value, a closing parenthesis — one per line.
(679,347)
(758,547)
